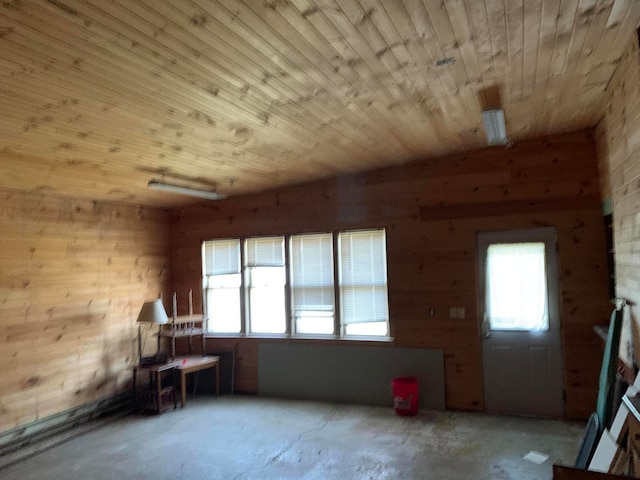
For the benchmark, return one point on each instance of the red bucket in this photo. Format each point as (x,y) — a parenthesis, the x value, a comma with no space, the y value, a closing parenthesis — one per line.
(405,395)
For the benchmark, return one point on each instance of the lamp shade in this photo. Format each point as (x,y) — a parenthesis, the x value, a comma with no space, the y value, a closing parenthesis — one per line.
(153,312)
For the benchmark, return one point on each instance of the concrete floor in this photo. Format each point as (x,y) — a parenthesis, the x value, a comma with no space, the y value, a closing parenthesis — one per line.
(238,437)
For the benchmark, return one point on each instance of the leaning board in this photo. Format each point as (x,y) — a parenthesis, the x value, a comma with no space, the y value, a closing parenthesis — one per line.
(349,374)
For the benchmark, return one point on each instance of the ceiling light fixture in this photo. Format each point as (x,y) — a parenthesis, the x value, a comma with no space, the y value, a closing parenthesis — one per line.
(494,127)
(192,192)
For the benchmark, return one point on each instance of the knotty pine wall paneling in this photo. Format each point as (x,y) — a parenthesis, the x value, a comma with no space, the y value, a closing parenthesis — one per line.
(618,136)
(73,276)
(432,211)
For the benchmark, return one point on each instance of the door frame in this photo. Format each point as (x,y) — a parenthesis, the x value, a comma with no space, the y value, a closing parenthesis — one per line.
(549,236)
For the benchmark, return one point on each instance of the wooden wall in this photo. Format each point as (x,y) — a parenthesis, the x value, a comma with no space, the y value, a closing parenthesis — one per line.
(618,136)
(432,211)
(73,276)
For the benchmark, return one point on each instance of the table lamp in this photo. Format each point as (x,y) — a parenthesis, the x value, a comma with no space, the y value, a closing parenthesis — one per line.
(152,312)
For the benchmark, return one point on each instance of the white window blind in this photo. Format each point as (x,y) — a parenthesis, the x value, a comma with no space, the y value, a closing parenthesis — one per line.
(312,289)
(517,287)
(221,257)
(363,277)
(265,252)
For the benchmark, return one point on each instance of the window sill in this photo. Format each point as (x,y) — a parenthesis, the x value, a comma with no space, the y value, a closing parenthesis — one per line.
(304,338)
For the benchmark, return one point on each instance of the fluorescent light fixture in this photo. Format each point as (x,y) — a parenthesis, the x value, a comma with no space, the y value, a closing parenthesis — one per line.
(192,192)
(494,127)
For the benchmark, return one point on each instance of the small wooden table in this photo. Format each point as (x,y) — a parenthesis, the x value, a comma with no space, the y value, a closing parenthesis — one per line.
(154,396)
(194,363)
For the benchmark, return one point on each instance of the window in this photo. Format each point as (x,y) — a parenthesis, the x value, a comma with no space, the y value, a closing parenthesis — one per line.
(221,282)
(312,292)
(516,287)
(363,283)
(265,274)
(293,284)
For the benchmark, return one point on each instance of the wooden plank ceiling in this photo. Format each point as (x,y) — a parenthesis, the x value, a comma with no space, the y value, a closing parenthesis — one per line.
(98,97)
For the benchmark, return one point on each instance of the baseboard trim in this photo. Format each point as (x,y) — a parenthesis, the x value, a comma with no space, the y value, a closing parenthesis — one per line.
(43,429)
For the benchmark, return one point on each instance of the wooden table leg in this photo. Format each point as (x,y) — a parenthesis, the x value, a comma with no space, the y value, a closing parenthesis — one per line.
(183,388)
(159,390)
(217,378)
(175,383)
(136,399)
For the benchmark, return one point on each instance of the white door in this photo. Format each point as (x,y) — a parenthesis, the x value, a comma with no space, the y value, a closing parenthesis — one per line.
(519,308)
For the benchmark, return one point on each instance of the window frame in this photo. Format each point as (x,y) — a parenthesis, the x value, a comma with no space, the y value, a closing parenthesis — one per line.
(494,278)
(341,286)
(294,327)
(339,330)
(247,271)
(546,235)
(206,281)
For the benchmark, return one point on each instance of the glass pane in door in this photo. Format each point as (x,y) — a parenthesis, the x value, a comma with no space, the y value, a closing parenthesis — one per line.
(516,287)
